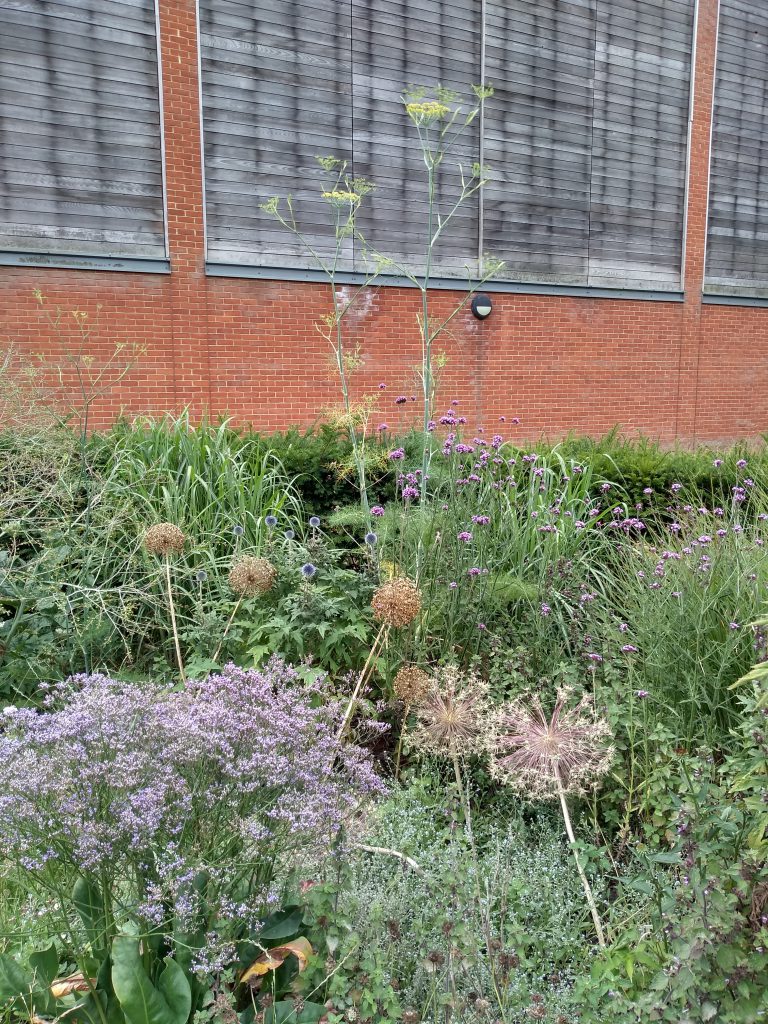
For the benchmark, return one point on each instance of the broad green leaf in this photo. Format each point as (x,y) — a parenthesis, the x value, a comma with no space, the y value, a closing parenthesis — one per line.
(45,965)
(281,925)
(90,906)
(141,1002)
(15,982)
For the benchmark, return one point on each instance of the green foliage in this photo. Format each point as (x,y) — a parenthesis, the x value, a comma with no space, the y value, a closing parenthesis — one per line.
(702,955)
(167,1001)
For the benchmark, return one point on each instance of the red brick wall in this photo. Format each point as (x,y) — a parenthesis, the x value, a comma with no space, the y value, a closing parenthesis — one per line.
(250,348)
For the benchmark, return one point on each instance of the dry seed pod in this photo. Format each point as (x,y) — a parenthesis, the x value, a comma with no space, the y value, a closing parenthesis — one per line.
(164,539)
(396,603)
(251,577)
(411,685)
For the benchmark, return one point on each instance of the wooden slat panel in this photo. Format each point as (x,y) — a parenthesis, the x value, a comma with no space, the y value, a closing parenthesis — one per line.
(396,46)
(641,102)
(737,236)
(276,94)
(80,156)
(540,60)
(585,136)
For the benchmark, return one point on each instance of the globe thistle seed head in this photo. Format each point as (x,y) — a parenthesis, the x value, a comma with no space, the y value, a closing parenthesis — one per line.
(308,570)
(164,539)
(314,522)
(238,530)
(271,521)
(371,539)
(396,603)
(452,717)
(201,575)
(252,577)
(411,685)
(289,534)
(540,755)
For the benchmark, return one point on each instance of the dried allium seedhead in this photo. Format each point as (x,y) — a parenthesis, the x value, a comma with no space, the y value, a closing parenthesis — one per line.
(164,539)
(411,685)
(411,1017)
(396,603)
(452,717)
(542,756)
(251,577)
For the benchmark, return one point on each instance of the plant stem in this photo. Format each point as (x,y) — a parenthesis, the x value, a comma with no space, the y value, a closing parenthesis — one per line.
(380,636)
(173,619)
(226,628)
(579,868)
(403,729)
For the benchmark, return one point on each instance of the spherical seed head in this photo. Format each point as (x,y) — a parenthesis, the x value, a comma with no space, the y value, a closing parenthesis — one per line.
(251,577)
(164,539)
(396,603)
(411,685)
(452,717)
(542,755)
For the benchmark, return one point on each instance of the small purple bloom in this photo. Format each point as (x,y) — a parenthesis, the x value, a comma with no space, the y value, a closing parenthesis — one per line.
(396,454)
(466,536)
(377,510)
(401,400)
(545,609)
(642,694)
(742,463)
(629,649)
(410,492)
(271,521)
(481,520)
(453,585)
(371,539)
(308,570)
(382,427)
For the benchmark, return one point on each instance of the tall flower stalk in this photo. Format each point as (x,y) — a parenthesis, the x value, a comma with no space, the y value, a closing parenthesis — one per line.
(544,756)
(343,195)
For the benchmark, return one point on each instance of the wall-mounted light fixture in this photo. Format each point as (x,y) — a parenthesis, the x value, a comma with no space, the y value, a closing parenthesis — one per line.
(481,306)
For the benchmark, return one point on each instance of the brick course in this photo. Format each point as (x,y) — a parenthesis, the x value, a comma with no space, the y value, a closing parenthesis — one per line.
(247,348)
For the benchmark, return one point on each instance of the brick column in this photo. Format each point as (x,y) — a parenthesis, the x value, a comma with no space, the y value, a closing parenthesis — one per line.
(184,192)
(705,53)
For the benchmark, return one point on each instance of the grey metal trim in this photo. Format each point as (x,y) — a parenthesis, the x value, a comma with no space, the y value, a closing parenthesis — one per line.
(444,283)
(732,300)
(65,261)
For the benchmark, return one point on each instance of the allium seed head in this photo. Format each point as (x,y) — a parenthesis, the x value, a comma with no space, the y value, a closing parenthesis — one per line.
(251,577)
(540,756)
(411,685)
(164,539)
(452,717)
(396,603)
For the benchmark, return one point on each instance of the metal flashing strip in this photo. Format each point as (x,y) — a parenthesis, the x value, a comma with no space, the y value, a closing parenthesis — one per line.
(733,300)
(65,261)
(443,283)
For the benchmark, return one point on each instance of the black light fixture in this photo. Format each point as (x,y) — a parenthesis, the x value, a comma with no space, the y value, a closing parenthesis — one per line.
(481,306)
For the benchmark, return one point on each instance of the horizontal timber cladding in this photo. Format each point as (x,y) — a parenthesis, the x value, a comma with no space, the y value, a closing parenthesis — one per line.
(81,166)
(585,136)
(737,235)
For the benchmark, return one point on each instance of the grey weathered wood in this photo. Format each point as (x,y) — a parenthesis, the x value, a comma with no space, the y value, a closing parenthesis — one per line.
(586,135)
(80,156)
(737,237)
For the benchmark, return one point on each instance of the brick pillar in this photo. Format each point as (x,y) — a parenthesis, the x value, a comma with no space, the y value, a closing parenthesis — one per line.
(705,52)
(184,192)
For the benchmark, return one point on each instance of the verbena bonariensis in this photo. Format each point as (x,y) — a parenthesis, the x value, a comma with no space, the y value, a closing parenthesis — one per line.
(141,790)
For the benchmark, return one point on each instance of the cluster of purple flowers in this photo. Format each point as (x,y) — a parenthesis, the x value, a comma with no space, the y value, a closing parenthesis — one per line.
(121,781)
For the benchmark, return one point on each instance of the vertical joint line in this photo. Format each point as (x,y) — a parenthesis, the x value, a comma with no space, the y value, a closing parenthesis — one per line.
(481,148)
